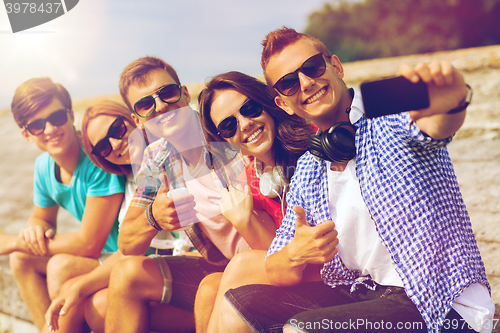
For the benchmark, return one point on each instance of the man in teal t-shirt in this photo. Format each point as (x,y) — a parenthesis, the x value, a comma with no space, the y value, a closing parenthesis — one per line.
(88,181)
(40,259)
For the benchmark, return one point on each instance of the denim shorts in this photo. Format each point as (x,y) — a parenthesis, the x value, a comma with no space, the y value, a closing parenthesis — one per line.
(181,277)
(316,307)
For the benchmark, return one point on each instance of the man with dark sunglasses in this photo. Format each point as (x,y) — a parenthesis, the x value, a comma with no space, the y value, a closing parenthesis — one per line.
(158,293)
(42,260)
(388,226)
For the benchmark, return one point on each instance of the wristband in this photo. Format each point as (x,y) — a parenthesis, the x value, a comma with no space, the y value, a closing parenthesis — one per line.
(151,218)
(464,103)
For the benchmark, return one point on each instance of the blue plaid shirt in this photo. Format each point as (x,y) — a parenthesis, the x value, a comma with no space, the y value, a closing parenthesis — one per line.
(409,186)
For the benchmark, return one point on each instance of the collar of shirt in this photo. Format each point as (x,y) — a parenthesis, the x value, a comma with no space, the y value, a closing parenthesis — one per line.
(357,107)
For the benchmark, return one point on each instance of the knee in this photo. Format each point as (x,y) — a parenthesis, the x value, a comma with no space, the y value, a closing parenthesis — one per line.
(95,310)
(58,270)
(241,259)
(210,284)
(19,263)
(246,260)
(59,264)
(125,275)
(244,267)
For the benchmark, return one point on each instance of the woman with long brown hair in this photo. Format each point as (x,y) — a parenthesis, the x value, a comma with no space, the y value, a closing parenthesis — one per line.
(239,109)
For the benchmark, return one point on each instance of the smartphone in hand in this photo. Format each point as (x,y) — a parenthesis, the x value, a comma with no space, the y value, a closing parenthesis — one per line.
(393,95)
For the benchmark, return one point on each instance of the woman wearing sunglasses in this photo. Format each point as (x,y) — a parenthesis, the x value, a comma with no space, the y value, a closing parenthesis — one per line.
(106,132)
(111,141)
(239,109)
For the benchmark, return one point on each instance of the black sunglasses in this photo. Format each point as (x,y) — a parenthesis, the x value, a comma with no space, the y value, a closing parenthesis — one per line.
(58,118)
(249,109)
(313,67)
(116,131)
(147,105)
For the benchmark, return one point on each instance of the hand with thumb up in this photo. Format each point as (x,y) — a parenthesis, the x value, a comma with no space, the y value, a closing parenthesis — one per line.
(312,245)
(170,213)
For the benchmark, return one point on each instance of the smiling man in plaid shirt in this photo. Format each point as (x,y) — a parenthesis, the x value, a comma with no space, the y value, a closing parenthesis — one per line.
(388,227)
(158,292)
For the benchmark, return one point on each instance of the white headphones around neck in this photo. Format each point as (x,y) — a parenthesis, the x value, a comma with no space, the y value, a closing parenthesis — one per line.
(271,182)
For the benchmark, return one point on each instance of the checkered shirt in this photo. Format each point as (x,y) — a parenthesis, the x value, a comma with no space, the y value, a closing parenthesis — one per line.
(161,160)
(409,186)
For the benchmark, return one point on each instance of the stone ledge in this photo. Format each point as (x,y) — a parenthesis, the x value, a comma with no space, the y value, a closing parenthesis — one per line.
(11,302)
(14,316)
(10,324)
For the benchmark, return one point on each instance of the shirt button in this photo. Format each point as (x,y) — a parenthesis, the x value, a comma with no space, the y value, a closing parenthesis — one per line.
(360,280)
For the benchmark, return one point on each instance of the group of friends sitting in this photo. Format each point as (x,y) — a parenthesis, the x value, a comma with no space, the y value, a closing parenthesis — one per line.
(252,214)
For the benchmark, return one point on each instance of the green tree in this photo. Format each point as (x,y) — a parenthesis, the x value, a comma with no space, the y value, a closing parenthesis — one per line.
(383,28)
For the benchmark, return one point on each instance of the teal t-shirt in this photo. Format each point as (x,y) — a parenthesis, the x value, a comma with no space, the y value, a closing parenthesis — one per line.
(87,181)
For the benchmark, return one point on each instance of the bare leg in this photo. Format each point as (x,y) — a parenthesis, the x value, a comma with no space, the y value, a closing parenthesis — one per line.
(74,320)
(29,272)
(230,321)
(62,267)
(95,310)
(134,282)
(205,299)
(164,318)
(245,268)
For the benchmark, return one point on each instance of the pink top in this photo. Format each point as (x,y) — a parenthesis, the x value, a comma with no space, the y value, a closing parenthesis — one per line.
(221,232)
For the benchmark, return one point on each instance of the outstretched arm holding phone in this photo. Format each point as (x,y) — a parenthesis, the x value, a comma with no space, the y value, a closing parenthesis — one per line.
(447,90)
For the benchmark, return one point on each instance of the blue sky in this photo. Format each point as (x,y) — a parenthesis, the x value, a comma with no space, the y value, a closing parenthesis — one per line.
(87,48)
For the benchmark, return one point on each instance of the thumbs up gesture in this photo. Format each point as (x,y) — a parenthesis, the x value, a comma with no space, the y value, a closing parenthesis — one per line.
(170,212)
(312,245)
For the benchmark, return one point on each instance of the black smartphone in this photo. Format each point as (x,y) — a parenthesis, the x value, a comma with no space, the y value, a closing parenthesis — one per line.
(393,95)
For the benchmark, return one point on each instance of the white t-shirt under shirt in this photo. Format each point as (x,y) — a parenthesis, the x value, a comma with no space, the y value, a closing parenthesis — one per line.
(129,194)
(201,184)
(359,244)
